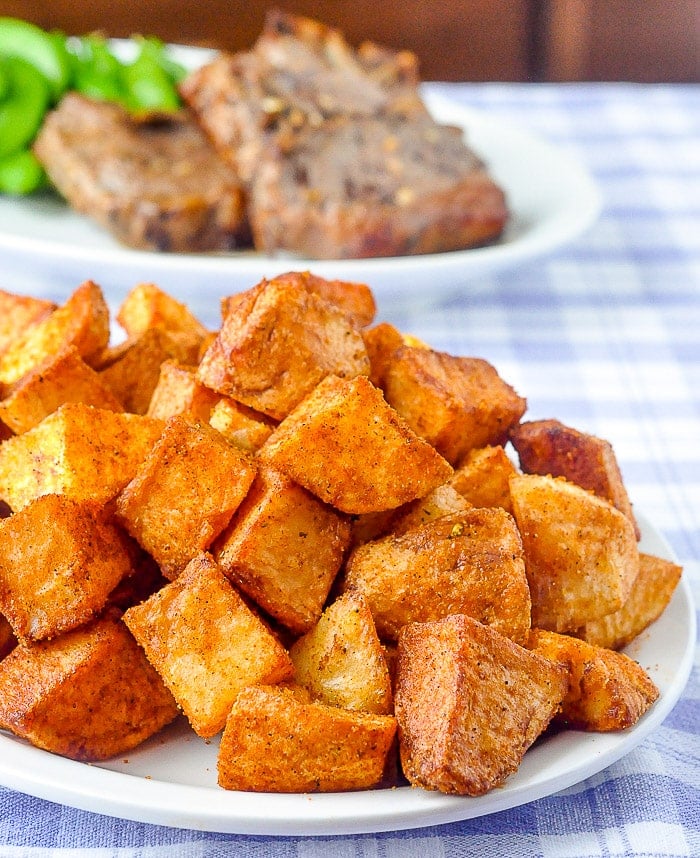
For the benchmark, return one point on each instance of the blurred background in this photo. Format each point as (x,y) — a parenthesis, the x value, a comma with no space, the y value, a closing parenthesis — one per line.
(499,40)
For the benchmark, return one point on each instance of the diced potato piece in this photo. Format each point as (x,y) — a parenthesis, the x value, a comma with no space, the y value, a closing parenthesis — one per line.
(483,478)
(59,561)
(82,322)
(341,661)
(279,343)
(549,447)
(132,370)
(206,643)
(8,640)
(62,377)
(89,694)
(443,500)
(147,306)
(80,451)
(18,312)
(651,593)
(581,553)
(348,447)
(283,548)
(179,392)
(381,341)
(607,690)
(184,493)
(273,742)
(455,403)
(469,563)
(354,299)
(241,425)
(469,703)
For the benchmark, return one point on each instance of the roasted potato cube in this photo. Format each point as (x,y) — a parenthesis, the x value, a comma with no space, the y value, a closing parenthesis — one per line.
(469,563)
(283,548)
(381,341)
(279,343)
(273,742)
(607,690)
(8,639)
(184,493)
(469,703)
(81,451)
(18,312)
(89,694)
(443,500)
(549,447)
(651,593)
(206,643)
(179,392)
(354,299)
(455,403)
(147,306)
(132,370)
(483,478)
(581,554)
(341,661)
(82,322)
(59,561)
(62,377)
(241,425)
(348,447)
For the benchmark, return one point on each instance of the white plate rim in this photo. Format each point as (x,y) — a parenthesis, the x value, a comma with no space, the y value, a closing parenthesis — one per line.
(551,208)
(543,772)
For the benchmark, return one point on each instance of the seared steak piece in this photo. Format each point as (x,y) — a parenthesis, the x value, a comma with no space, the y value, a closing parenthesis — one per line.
(374,186)
(156,184)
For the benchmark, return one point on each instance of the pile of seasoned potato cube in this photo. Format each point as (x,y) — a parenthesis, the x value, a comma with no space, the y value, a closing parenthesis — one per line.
(306,531)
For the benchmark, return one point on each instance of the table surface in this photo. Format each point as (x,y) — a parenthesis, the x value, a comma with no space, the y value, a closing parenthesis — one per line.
(605,335)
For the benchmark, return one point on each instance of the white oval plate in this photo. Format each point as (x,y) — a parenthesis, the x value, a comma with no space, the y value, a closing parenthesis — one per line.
(171,780)
(551,196)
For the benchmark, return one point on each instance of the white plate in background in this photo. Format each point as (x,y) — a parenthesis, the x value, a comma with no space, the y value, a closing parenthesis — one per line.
(551,196)
(171,779)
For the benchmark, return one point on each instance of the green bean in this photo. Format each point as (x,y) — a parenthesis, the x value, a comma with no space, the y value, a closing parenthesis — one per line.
(23,40)
(96,71)
(147,84)
(21,173)
(23,108)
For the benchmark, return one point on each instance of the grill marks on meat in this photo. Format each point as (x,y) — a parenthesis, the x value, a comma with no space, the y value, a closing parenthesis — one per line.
(156,184)
(339,154)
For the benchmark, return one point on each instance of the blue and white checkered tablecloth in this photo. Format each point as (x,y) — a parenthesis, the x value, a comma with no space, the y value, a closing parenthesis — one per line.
(605,335)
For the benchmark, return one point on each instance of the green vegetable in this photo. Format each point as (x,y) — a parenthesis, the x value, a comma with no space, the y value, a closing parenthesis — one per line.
(147,83)
(22,109)
(26,41)
(96,71)
(21,173)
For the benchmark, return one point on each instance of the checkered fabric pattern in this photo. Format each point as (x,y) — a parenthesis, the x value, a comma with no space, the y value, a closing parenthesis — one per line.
(605,335)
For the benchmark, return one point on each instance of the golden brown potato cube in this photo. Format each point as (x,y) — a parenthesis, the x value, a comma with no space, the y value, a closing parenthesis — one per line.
(206,643)
(279,343)
(273,742)
(347,446)
(132,369)
(549,447)
(651,593)
(147,306)
(443,500)
(18,312)
(607,690)
(455,403)
(241,425)
(483,478)
(79,450)
(62,377)
(89,694)
(354,299)
(283,548)
(82,322)
(59,561)
(581,554)
(8,639)
(184,493)
(469,563)
(469,703)
(381,341)
(179,392)
(341,661)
